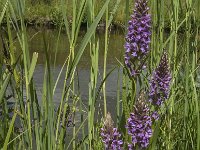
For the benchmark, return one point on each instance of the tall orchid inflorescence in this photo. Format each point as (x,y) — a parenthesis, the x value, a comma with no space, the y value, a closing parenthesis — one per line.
(160,82)
(138,38)
(110,135)
(139,124)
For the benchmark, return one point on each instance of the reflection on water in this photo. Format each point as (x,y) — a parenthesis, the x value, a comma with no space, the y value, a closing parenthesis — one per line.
(61,45)
(115,51)
(116,42)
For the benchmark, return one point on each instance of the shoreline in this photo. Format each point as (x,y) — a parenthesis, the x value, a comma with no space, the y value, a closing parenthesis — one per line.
(114,27)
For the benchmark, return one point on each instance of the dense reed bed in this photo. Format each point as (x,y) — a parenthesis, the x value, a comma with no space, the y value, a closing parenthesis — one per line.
(157,106)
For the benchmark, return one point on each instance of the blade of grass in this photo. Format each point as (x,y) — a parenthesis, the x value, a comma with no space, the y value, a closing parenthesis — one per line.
(3,11)
(4,86)
(32,66)
(87,37)
(9,131)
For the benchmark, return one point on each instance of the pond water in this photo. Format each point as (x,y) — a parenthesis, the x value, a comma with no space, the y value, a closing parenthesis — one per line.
(115,51)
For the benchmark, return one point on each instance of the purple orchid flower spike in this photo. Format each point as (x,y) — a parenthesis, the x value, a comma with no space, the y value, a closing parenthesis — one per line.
(139,124)
(138,38)
(160,82)
(110,135)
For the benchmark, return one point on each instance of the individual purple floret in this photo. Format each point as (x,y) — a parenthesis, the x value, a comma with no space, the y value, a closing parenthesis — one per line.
(138,38)
(139,125)
(110,136)
(155,115)
(160,82)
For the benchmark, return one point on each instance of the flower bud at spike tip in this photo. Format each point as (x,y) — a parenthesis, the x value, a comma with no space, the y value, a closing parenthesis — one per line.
(160,82)
(138,38)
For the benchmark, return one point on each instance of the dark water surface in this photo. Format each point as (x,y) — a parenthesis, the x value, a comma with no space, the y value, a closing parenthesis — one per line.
(60,49)
(115,51)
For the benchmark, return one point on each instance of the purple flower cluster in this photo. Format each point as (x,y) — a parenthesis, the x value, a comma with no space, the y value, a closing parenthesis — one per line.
(139,125)
(138,38)
(110,136)
(160,82)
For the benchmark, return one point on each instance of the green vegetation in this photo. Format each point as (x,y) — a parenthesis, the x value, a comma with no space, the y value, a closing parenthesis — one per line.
(33,122)
(41,12)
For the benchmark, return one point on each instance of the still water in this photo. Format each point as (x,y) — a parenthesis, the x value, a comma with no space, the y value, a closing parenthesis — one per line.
(60,49)
(115,51)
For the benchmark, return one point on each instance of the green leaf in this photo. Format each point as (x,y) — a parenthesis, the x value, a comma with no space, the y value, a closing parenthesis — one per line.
(4,86)
(87,37)
(9,131)
(32,67)
(3,11)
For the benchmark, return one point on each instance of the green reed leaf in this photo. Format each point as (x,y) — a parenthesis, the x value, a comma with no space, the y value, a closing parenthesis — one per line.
(3,11)
(4,86)
(32,67)
(87,37)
